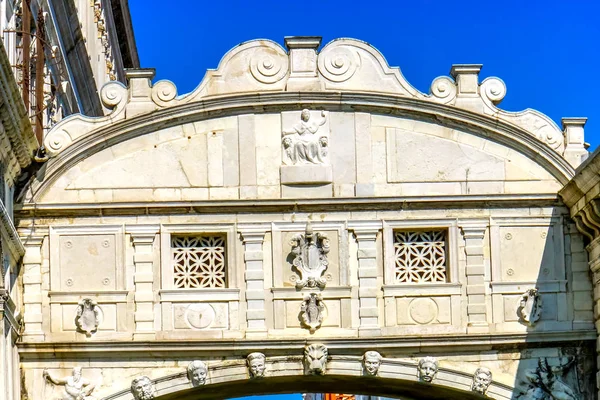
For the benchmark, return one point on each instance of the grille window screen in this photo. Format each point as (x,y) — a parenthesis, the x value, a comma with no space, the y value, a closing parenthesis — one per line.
(420,256)
(199,261)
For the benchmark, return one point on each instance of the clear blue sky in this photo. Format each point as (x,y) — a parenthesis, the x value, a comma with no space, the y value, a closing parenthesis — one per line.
(547,52)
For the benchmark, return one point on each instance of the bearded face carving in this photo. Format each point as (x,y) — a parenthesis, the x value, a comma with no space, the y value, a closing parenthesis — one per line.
(315,359)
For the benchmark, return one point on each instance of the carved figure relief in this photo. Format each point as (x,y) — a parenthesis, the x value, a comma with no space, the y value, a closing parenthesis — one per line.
(428,368)
(310,258)
(197,373)
(256,364)
(142,388)
(546,381)
(482,379)
(530,307)
(88,316)
(312,312)
(371,363)
(305,142)
(315,359)
(76,386)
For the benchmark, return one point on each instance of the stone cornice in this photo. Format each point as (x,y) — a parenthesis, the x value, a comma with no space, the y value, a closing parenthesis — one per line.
(289,205)
(9,232)
(393,346)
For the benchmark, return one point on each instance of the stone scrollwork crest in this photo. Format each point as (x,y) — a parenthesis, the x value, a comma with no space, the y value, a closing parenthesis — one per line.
(76,386)
(88,316)
(482,379)
(268,67)
(530,306)
(546,381)
(306,142)
(309,251)
(315,359)
(312,312)
(338,63)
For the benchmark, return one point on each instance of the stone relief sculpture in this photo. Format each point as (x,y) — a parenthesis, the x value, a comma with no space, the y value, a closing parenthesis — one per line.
(304,143)
(428,368)
(310,257)
(76,386)
(142,388)
(197,373)
(530,306)
(315,359)
(256,364)
(371,363)
(482,379)
(545,382)
(311,312)
(88,316)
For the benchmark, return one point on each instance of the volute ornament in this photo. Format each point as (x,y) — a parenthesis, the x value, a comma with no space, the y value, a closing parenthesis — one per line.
(312,312)
(76,386)
(530,306)
(309,252)
(88,316)
(315,359)
(482,379)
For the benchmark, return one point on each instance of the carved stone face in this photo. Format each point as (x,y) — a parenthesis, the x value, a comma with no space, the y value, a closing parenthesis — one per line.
(305,115)
(142,388)
(427,369)
(76,373)
(287,142)
(315,359)
(256,365)
(481,380)
(197,373)
(372,362)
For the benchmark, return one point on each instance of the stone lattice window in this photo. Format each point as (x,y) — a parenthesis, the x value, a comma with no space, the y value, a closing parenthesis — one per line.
(199,261)
(420,256)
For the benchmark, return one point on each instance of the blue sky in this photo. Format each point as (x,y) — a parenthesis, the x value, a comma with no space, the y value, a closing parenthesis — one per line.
(547,52)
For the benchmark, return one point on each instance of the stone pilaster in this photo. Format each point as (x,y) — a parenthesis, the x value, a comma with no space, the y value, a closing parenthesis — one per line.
(32,285)
(368,286)
(594,262)
(253,237)
(142,237)
(474,234)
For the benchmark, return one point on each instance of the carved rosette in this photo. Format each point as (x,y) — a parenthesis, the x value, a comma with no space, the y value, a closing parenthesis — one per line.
(312,312)
(88,316)
(310,258)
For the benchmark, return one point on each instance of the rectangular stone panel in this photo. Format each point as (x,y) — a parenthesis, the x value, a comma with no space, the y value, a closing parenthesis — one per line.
(424,310)
(200,316)
(527,253)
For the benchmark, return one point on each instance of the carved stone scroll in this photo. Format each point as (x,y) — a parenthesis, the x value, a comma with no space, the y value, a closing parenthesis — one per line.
(315,359)
(88,316)
(310,258)
(312,312)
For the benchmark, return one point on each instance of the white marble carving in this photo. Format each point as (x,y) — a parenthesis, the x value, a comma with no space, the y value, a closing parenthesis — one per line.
(76,386)
(256,364)
(371,363)
(306,142)
(428,368)
(310,257)
(312,312)
(315,359)
(142,388)
(197,373)
(88,316)
(545,382)
(482,379)
(530,306)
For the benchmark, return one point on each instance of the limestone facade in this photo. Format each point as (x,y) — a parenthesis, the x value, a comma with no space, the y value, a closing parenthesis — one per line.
(312,206)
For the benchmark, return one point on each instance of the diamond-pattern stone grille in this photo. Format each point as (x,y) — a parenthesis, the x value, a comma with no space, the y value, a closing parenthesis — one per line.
(420,256)
(199,261)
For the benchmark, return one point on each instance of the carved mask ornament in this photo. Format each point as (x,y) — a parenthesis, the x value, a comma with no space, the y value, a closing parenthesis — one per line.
(530,306)
(197,373)
(482,379)
(371,363)
(142,388)
(312,312)
(428,368)
(310,257)
(256,364)
(315,359)
(88,316)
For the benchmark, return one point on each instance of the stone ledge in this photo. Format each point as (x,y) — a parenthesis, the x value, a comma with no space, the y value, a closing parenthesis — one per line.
(306,174)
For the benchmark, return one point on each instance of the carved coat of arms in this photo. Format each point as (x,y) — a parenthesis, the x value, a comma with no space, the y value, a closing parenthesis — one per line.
(310,257)
(88,316)
(312,312)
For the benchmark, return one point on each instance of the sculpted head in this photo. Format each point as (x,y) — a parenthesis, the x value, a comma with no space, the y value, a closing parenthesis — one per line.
(481,380)
(77,373)
(142,388)
(428,368)
(371,362)
(305,115)
(197,372)
(287,142)
(256,364)
(315,359)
